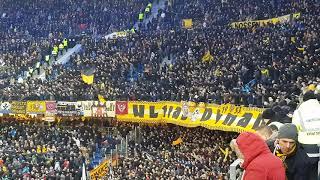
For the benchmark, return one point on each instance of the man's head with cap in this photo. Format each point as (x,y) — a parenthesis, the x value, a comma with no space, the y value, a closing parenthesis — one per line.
(287,138)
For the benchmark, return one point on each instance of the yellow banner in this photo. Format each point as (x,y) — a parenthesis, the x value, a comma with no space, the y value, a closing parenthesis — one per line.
(100,171)
(224,117)
(122,34)
(103,168)
(36,107)
(18,107)
(265,22)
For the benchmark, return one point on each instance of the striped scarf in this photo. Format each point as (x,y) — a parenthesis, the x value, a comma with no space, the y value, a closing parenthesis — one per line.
(283,156)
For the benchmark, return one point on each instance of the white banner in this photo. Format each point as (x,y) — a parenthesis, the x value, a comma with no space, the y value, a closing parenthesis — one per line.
(5,107)
(86,108)
(111,108)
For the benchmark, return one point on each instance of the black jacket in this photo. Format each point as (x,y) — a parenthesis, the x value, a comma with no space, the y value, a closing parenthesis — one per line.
(299,166)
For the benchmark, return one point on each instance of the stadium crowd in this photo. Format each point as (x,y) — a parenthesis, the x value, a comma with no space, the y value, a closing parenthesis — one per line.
(199,154)
(29,29)
(274,63)
(260,66)
(63,18)
(32,149)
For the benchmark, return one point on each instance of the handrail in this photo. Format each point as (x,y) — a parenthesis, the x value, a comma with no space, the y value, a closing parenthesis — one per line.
(234,170)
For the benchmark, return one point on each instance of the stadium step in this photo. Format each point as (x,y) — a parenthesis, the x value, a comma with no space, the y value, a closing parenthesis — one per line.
(62,59)
(154,12)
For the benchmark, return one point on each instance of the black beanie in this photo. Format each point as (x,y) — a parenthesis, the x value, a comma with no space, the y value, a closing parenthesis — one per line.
(309,95)
(288,131)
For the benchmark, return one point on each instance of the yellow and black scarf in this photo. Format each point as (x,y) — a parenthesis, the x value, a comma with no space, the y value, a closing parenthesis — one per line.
(283,156)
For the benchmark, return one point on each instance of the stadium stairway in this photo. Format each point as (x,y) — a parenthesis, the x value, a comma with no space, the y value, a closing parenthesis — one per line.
(156,5)
(97,157)
(102,151)
(62,59)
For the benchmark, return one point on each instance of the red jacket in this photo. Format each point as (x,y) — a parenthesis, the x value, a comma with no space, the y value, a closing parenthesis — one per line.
(259,163)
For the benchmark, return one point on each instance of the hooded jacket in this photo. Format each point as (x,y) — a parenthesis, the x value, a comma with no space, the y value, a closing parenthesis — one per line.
(259,162)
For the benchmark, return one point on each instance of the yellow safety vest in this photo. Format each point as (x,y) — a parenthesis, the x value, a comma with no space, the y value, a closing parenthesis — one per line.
(54,52)
(61,46)
(55,48)
(265,72)
(65,43)
(141,16)
(147,10)
(47,57)
(38,65)
(149,5)
(31,70)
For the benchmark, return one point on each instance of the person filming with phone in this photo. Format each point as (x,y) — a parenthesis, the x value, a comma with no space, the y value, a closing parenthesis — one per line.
(292,153)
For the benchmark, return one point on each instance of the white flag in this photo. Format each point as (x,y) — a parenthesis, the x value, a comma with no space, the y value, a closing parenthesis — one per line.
(83,177)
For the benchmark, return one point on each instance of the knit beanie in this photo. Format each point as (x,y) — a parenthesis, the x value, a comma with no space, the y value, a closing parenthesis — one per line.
(288,131)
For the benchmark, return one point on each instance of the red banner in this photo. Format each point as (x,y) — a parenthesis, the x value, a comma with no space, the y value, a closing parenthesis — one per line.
(51,106)
(121,107)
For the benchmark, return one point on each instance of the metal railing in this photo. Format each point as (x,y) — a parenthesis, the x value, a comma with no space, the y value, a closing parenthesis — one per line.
(235,172)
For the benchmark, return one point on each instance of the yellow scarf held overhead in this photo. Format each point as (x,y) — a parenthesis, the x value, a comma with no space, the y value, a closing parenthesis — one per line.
(311,87)
(101,99)
(301,49)
(207,57)
(265,72)
(225,152)
(44,149)
(177,142)
(39,149)
(4,169)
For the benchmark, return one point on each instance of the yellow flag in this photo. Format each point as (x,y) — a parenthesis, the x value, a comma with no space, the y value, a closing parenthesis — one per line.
(207,57)
(296,15)
(4,169)
(101,99)
(187,23)
(301,49)
(88,75)
(87,78)
(177,142)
